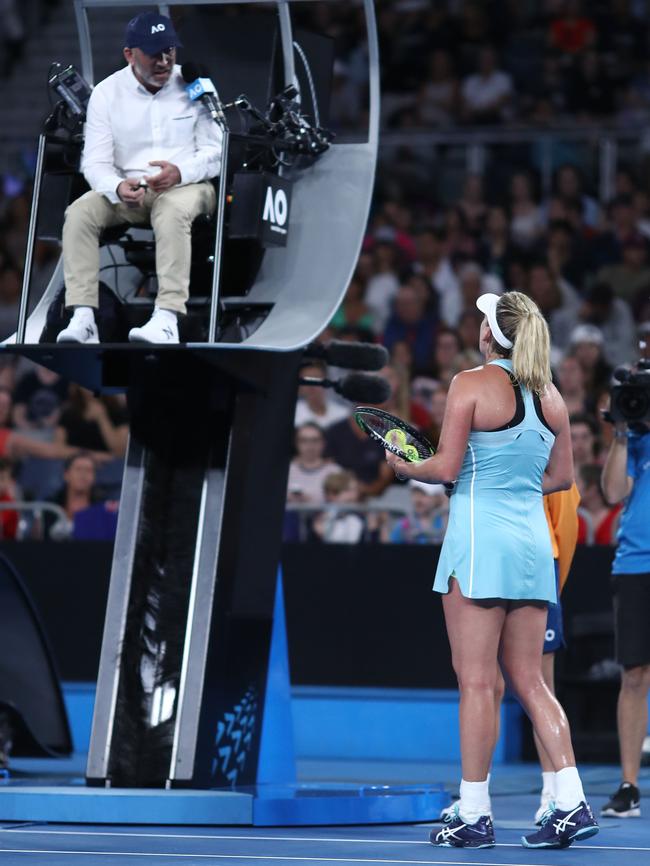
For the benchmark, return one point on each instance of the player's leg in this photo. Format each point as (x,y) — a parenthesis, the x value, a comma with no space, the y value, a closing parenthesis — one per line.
(474,629)
(547,796)
(521,660)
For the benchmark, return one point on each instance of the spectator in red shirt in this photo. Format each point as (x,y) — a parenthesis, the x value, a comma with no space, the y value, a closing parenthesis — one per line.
(572,33)
(597,521)
(8,519)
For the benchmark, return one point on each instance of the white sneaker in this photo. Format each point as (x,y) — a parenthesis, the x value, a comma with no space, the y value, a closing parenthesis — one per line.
(545,803)
(82,329)
(162,327)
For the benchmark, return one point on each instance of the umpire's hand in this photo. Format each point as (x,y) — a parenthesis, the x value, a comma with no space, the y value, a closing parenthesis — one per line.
(130,192)
(168,176)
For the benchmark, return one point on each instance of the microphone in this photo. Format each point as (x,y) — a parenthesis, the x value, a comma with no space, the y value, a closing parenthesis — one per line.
(351,356)
(363,388)
(356,387)
(199,86)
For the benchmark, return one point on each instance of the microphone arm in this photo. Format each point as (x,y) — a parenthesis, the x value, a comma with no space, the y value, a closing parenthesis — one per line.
(355,387)
(319,383)
(221,120)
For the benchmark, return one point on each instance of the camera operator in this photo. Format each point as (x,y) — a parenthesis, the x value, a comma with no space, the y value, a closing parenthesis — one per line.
(149,152)
(626,476)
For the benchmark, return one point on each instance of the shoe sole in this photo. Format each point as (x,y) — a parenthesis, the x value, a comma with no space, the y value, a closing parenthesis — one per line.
(584,833)
(449,845)
(153,342)
(612,813)
(528,844)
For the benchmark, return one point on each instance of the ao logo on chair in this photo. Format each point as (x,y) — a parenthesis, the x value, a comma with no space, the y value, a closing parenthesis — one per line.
(276,209)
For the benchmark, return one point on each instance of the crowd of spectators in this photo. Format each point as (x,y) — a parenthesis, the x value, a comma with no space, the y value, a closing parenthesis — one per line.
(16,19)
(455,62)
(421,269)
(61,455)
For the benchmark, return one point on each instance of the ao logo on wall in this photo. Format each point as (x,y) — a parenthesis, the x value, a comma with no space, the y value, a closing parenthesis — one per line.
(260,208)
(276,209)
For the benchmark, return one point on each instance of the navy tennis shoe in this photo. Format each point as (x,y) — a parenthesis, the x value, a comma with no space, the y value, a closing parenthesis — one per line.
(560,829)
(459,834)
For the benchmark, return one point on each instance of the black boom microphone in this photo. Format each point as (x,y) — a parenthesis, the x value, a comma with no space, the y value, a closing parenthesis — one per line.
(350,356)
(363,388)
(356,387)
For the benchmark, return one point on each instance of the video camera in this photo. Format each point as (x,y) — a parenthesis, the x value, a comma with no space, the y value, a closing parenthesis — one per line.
(74,92)
(630,401)
(285,125)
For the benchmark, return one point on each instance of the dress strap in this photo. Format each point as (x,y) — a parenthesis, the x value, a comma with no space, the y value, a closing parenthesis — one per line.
(505,363)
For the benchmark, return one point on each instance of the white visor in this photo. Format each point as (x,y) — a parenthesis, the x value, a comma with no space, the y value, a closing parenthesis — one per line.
(487,304)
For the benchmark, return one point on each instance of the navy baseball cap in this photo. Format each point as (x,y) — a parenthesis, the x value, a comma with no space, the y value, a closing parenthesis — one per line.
(151,33)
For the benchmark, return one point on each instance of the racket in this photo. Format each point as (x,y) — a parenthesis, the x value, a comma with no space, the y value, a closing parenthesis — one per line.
(393,434)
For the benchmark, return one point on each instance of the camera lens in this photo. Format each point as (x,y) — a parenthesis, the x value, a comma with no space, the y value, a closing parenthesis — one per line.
(632,403)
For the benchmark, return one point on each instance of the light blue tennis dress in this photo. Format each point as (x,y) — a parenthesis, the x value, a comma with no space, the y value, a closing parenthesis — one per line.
(497,543)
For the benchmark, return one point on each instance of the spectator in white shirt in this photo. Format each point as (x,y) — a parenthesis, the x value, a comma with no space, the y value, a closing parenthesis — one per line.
(486,95)
(309,469)
(341,525)
(149,153)
(315,403)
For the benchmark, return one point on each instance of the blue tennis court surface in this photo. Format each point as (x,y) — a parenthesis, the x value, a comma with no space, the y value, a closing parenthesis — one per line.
(620,842)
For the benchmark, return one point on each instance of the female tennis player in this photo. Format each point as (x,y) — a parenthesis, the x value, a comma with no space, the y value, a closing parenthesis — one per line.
(505,442)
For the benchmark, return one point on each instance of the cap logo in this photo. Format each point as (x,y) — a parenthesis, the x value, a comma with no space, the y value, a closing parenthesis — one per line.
(158,28)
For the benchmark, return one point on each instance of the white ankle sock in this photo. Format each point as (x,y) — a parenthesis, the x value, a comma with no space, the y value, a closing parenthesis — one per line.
(84,312)
(474,800)
(166,314)
(548,785)
(568,789)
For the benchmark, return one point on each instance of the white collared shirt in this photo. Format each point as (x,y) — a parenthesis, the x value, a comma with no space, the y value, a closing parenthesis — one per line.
(127,127)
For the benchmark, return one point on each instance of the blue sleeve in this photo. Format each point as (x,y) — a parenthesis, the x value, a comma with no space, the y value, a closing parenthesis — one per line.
(632,455)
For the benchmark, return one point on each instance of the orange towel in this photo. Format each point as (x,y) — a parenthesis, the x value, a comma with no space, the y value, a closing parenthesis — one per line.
(561,511)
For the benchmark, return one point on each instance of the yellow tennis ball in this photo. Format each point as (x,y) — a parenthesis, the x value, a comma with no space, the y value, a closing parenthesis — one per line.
(412,453)
(397,437)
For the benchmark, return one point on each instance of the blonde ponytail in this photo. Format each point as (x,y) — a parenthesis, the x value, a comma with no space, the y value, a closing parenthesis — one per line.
(519,318)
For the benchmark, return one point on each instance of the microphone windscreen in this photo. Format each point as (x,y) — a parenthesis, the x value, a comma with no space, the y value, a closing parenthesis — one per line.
(190,72)
(364,388)
(350,356)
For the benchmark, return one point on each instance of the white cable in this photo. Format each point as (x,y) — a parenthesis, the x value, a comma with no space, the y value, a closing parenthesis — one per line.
(310,80)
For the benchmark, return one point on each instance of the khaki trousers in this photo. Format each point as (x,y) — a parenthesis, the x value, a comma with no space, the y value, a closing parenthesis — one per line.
(169,213)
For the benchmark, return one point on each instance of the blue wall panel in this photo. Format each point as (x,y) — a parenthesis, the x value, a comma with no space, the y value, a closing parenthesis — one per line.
(355,723)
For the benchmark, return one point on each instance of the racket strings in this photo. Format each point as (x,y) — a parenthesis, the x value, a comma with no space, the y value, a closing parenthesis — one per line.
(395,438)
